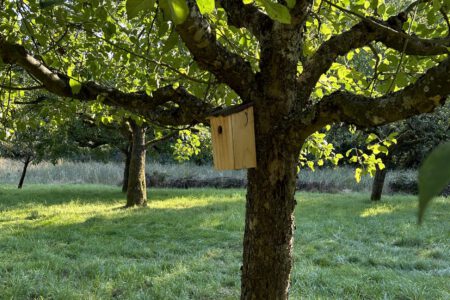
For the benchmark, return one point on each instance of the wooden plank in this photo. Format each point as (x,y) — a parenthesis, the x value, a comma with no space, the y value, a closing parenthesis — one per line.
(244,139)
(231,109)
(221,135)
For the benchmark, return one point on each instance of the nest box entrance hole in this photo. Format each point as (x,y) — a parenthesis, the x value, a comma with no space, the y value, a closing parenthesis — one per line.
(233,139)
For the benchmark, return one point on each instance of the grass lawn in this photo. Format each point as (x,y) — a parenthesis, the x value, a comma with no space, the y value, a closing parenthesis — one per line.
(74,242)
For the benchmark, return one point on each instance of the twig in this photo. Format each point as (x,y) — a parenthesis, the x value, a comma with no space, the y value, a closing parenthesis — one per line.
(38,100)
(56,43)
(159,140)
(403,51)
(414,5)
(375,71)
(18,88)
(149,60)
(358,15)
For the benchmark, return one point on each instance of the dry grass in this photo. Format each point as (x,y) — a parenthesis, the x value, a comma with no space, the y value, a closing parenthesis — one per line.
(327,180)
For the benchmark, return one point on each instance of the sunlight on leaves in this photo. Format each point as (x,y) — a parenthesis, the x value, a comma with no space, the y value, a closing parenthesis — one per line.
(434,176)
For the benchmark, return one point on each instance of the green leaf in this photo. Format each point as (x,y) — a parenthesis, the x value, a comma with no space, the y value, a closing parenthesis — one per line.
(434,176)
(381,9)
(358,173)
(347,154)
(206,6)
(277,11)
(383,149)
(350,55)
(177,9)
(290,3)
(437,4)
(49,3)
(171,41)
(75,86)
(163,25)
(371,138)
(70,70)
(135,6)
(325,29)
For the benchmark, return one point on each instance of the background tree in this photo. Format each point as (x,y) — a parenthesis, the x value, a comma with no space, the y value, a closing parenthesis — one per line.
(34,138)
(128,136)
(400,145)
(417,137)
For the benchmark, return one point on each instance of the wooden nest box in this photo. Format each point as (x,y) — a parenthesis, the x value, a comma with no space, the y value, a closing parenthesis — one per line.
(233,138)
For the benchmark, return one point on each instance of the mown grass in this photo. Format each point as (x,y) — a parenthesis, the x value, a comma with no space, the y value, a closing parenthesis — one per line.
(75,242)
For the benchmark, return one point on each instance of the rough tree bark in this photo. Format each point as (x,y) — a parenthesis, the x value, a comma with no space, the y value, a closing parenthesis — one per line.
(24,171)
(269,222)
(378,184)
(126,169)
(127,133)
(137,189)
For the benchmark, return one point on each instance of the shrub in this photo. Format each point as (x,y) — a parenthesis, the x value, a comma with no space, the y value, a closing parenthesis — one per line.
(408,185)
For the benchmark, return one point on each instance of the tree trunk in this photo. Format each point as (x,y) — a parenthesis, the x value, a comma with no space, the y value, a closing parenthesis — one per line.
(269,222)
(378,183)
(137,189)
(24,171)
(126,170)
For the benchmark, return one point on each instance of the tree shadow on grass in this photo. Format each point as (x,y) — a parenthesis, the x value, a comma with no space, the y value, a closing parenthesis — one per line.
(12,198)
(353,205)
(191,252)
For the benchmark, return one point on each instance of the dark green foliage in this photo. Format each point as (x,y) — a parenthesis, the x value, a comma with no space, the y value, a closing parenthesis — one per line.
(434,176)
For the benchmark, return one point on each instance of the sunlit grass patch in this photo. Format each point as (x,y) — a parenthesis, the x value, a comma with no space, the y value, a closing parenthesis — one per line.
(377,210)
(76,242)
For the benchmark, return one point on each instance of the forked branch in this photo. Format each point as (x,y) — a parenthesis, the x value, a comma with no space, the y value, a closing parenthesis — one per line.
(166,105)
(428,92)
(229,68)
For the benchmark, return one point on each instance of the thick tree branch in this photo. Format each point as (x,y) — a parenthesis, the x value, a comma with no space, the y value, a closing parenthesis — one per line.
(247,16)
(368,30)
(229,68)
(318,64)
(428,92)
(300,11)
(166,105)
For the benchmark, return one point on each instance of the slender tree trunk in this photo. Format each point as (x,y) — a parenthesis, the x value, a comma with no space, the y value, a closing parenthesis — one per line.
(126,170)
(269,222)
(137,189)
(378,184)
(24,171)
